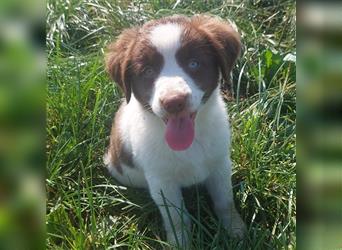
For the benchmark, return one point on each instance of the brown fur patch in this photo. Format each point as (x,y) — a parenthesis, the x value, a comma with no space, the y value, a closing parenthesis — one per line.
(117,59)
(118,153)
(224,39)
(146,64)
(195,46)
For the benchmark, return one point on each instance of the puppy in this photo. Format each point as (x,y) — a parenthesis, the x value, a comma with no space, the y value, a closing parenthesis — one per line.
(172,131)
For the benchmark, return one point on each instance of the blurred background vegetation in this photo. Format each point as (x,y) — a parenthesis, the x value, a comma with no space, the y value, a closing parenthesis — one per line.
(22,119)
(319,125)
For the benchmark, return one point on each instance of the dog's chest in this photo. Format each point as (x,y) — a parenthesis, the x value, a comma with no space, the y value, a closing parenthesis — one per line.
(190,167)
(185,167)
(144,134)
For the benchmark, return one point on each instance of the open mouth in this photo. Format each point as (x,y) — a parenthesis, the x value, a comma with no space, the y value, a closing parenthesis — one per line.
(180,130)
(192,116)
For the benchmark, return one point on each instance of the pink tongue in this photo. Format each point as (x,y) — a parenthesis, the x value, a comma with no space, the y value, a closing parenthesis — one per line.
(180,132)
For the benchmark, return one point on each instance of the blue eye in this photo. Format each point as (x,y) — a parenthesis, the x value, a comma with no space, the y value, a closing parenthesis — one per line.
(148,72)
(193,64)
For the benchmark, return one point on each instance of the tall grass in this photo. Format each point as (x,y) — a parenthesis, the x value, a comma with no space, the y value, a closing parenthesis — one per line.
(87,209)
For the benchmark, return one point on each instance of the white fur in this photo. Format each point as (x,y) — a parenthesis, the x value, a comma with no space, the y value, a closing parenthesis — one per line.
(172,78)
(166,38)
(164,171)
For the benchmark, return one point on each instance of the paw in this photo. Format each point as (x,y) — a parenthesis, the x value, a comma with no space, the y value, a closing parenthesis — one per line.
(236,227)
(179,238)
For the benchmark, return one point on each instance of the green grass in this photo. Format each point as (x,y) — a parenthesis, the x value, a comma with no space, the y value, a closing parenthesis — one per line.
(87,209)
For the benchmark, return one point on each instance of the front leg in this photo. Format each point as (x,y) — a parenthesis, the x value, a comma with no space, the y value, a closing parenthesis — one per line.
(220,189)
(168,197)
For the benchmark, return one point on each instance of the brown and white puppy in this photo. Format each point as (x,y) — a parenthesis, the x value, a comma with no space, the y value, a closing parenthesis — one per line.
(173,131)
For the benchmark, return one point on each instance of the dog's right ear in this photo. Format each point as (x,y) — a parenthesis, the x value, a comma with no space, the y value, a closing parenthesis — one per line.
(223,37)
(117,59)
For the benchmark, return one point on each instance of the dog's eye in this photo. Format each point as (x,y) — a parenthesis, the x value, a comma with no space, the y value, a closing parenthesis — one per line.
(193,64)
(148,72)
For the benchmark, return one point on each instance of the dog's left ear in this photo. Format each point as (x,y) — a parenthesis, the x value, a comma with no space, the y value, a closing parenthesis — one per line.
(223,37)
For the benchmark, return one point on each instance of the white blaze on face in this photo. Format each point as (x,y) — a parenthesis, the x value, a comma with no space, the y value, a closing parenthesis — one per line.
(166,38)
(172,78)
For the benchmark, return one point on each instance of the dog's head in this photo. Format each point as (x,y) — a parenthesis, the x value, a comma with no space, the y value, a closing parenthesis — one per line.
(172,66)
